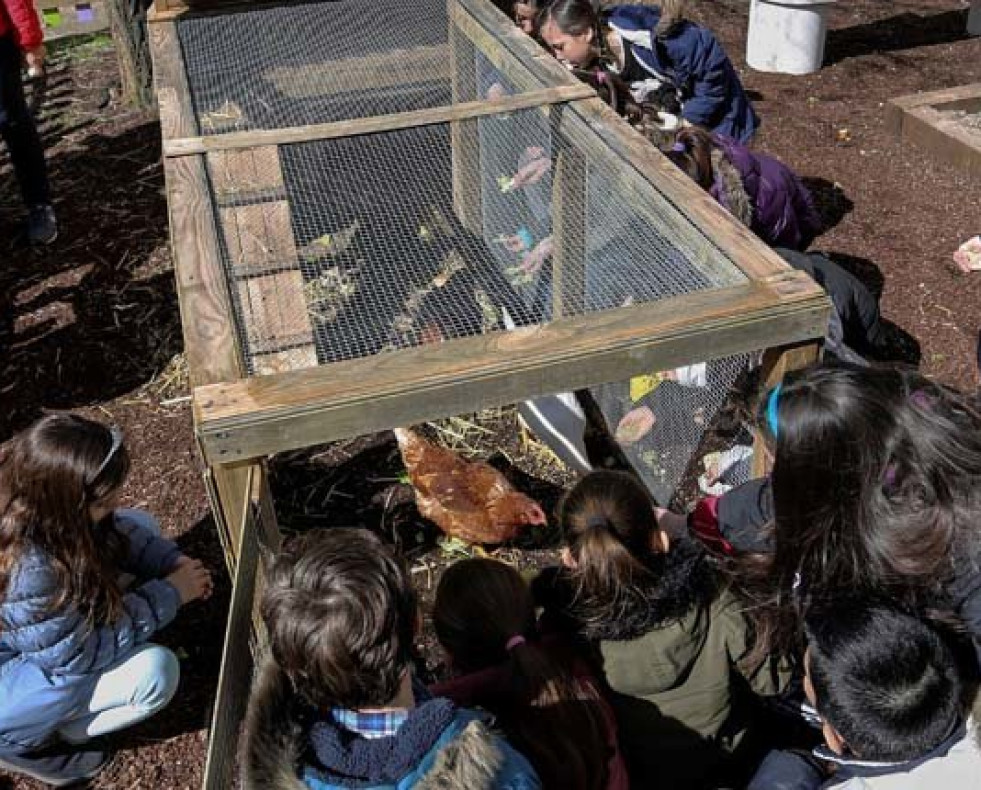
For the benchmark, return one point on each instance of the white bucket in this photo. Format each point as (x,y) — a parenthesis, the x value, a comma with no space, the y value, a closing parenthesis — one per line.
(974,19)
(787,36)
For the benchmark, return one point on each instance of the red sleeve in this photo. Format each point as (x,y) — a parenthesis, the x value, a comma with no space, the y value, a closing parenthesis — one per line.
(25,21)
(704,523)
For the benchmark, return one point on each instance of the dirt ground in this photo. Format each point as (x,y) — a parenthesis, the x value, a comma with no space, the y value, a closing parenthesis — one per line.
(92,324)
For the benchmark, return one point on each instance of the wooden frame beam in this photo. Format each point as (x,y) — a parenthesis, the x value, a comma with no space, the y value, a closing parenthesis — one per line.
(379,123)
(255,417)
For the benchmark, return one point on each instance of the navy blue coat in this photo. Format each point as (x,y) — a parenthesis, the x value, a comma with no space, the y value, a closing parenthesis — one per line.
(49,660)
(691,59)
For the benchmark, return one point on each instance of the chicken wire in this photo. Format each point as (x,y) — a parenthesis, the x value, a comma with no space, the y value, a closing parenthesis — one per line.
(682,426)
(306,63)
(344,248)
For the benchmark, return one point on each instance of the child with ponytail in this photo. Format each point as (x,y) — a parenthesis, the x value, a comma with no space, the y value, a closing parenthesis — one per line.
(76,660)
(671,640)
(540,693)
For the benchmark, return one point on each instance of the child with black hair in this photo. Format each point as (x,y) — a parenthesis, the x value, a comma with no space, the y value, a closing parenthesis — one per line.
(648,46)
(887,691)
(670,639)
(543,696)
(335,705)
(876,488)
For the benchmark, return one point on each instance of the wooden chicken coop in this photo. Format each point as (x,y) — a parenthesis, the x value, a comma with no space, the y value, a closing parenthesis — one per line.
(355,248)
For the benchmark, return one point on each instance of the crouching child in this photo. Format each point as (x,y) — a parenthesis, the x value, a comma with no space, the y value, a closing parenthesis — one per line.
(888,693)
(335,704)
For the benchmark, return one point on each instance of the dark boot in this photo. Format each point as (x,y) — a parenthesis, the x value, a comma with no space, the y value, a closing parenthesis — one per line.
(58,766)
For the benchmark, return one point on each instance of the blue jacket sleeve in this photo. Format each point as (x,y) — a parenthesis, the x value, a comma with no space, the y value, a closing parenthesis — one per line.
(787,771)
(150,556)
(700,67)
(59,641)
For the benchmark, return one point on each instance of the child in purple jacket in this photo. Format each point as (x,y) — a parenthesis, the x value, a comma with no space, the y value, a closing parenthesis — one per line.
(760,191)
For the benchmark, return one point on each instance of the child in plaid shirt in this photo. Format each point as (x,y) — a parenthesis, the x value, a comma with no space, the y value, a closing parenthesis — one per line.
(335,705)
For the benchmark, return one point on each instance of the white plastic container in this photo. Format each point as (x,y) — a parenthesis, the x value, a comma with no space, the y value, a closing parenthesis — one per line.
(974,19)
(787,36)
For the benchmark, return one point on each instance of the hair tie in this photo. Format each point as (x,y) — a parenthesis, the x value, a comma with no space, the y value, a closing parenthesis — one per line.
(772,418)
(601,76)
(597,521)
(513,642)
(921,398)
(679,147)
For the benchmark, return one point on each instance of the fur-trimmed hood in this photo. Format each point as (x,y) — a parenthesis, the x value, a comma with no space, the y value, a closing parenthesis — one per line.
(279,752)
(764,194)
(729,189)
(679,582)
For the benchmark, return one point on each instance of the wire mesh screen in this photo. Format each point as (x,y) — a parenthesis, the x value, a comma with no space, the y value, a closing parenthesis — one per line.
(682,426)
(318,62)
(371,243)
(343,248)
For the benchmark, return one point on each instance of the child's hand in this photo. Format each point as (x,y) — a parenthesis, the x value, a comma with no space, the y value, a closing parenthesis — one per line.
(669,122)
(34,60)
(496,91)
(191,579)
(534,259)
(532,166)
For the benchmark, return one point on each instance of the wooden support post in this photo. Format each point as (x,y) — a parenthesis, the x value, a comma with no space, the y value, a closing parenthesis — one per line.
(569,200)
(464,134)
(234,681)
(777,362)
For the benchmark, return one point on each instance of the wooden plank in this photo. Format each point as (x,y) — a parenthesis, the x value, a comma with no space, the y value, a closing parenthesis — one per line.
(250,418)
(379,123)
(232,694)
(777,362)
(604,136)
(465,135)
(281,361)
(170,83)
(206,316)
(569,231)
(368,73)
(259,234)
(943,138)
(239,175)
(275,312)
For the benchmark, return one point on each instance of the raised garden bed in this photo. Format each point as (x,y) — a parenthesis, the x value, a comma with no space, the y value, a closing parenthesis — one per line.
(947,123)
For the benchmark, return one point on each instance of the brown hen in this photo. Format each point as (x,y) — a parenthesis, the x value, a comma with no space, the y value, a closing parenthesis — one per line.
(469,500)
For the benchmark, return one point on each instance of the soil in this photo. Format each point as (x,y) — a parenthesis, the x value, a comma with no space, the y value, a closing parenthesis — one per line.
(91,324)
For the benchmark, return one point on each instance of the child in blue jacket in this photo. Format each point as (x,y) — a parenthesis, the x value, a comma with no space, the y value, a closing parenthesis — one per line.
(75,657)
(335,705)
(648,47)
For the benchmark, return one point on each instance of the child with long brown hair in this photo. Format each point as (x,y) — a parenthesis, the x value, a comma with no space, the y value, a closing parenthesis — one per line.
(671,640)
(75,656)
(542,695)
(650,46)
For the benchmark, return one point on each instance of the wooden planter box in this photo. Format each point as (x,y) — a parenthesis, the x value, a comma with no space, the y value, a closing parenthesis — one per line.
(919,119)
(261,382)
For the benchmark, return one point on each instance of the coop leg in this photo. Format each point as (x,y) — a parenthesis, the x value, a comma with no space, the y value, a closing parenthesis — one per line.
(257,533)
(464,135)
(777,362)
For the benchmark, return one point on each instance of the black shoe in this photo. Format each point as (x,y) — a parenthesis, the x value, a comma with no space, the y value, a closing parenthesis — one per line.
(42,227)
(58,766)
